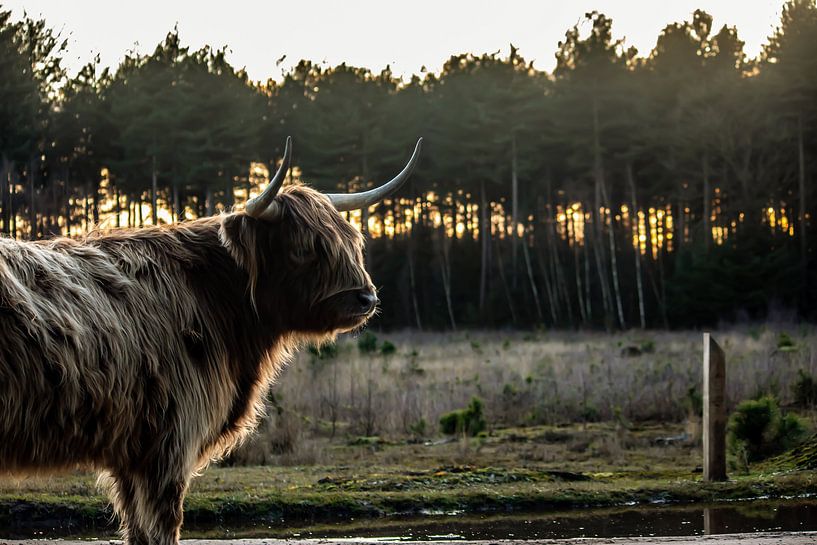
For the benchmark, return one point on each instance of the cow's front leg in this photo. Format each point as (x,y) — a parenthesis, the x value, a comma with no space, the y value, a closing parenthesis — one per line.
(122,493)
(161,498)
(166,510)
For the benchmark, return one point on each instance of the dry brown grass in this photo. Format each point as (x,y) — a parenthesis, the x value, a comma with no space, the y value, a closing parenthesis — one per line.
(524,379)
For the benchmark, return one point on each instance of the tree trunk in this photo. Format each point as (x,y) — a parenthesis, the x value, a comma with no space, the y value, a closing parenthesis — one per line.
(680,237)
(550,287)
(588,292)
(485,230)
(412,277)
(87,207)
(208,201)
(5,175)
(505,285)
(558,273)
(533,289)
(801,209)
(663,279)
(176,201)
(445,272)
(707,202)
(55,208)
(598,223)
(682,223)
(578,274)
(117,206)
(95,201)
(637,250)
(154,189)
(67,190)
(602,200)
(364,213)
(592,237)
(32,201)
(514,211)
(542,225)
(614,265)
(613,258)
(229,198)
(12,211)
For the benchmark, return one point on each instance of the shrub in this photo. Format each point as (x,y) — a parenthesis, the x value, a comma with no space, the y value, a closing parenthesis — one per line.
(413,368)
(325,351)
(694,402)
(509,390)
(621,421)
(785,343)
(758,429)
(468,421)
(791,432)
(419,428)
(590,413)
(388,348)
(281,433)
(805,389)
(367,342)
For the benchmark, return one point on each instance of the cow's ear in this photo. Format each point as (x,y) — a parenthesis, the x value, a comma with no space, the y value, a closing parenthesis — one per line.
(238,235)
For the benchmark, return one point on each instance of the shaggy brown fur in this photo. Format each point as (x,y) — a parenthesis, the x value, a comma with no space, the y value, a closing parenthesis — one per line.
(146,353)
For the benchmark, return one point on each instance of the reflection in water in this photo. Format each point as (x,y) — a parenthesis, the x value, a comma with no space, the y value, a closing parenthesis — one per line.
(663,520)
(621,522)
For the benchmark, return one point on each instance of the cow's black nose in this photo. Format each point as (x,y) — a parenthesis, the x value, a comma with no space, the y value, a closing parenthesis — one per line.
(367,299)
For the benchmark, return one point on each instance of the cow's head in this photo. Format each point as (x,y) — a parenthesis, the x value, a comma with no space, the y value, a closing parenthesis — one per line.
(304,260)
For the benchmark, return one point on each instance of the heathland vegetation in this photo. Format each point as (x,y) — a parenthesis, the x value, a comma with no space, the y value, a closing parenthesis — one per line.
(422,387)
(670,187)
(389,424)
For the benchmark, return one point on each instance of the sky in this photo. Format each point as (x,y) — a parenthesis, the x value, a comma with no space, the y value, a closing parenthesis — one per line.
(407,35)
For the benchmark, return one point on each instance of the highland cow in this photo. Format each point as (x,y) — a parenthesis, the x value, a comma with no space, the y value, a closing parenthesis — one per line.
(146,353)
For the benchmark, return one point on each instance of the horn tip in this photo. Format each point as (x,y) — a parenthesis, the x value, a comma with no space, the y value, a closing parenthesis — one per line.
(417,148)
(288,150)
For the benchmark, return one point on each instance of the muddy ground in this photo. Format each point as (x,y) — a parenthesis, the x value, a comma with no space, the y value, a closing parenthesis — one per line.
(768,538)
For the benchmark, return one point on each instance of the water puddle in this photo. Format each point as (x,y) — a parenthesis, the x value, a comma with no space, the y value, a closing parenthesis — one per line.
(660,520)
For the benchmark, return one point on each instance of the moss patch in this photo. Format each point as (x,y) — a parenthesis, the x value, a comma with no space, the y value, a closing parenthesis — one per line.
(514,469)
(387,491)
(801,457)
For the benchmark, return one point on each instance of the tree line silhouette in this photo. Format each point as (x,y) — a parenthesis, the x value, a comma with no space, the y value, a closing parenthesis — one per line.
(621,190)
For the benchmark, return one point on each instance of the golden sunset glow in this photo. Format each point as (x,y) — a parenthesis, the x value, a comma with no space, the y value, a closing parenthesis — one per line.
(651,230)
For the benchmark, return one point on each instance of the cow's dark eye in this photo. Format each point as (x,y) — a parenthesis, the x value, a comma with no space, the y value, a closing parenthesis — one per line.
(305,251)
(303,254)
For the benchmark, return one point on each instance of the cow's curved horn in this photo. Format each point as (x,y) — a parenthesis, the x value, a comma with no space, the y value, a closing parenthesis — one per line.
(259,207)
(355,201)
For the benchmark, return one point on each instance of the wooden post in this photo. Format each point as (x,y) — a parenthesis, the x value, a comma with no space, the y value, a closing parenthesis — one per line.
(714,411)
(714,521)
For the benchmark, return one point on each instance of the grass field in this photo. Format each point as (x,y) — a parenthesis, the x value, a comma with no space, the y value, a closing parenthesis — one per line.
(396,386)
(573,420)
(540,467)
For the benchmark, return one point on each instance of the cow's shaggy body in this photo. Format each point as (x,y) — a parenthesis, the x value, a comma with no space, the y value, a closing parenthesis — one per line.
(146,353)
